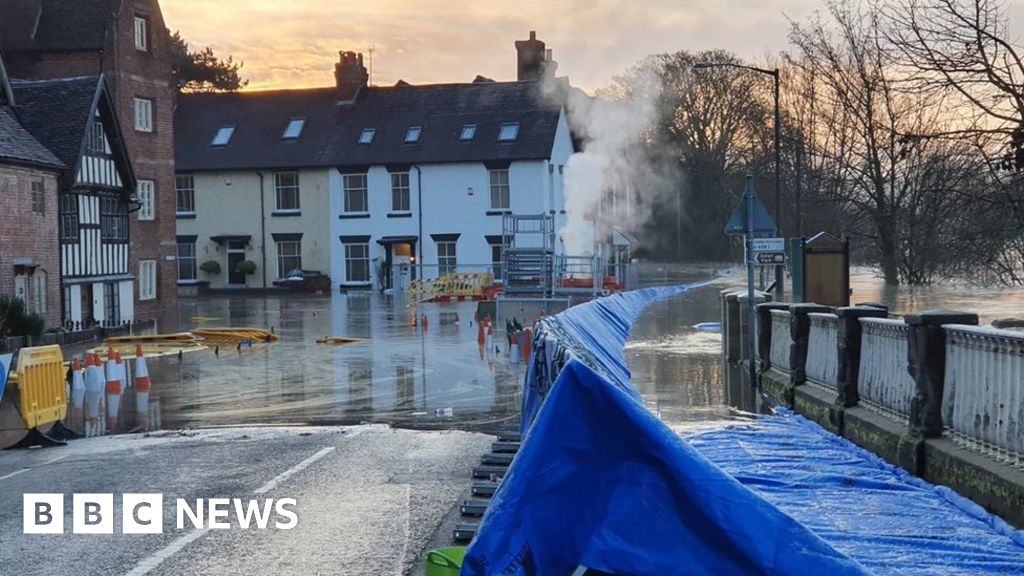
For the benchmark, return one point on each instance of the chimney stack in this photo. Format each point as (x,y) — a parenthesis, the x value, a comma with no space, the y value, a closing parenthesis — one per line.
(531,58)
(350,76)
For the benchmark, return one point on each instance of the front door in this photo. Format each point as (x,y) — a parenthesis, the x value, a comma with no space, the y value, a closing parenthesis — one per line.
(236,254)
(401,261)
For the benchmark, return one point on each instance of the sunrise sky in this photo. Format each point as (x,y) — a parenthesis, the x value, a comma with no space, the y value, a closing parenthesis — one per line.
(294,43)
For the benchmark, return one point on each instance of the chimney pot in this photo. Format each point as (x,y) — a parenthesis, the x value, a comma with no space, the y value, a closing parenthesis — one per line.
(350,75)
(530,58)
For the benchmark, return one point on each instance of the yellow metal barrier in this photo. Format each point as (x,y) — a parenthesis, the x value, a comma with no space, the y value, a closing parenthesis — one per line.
(451,285)
(41,386)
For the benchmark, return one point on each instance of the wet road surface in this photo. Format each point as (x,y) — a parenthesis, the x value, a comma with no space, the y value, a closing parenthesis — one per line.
(368,499)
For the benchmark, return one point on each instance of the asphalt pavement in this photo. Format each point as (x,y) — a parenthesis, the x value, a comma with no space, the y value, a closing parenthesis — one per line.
(368,500)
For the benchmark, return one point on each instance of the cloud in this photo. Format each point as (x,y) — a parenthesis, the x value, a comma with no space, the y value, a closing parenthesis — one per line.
(295,43)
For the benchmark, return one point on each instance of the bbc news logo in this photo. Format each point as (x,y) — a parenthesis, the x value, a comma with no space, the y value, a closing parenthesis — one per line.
(144,513)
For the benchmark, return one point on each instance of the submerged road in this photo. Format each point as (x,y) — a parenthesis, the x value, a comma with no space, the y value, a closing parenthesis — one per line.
(368,500)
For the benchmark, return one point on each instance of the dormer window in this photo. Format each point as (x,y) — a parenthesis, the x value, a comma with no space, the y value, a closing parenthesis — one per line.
(366,137)
(508,132)
(413,135)
(223,136)
(468,132)
(294,129)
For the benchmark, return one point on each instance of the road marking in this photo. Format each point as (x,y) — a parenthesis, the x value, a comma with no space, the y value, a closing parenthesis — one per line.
(293,470)
(171,549)
(157,558)
(16,472)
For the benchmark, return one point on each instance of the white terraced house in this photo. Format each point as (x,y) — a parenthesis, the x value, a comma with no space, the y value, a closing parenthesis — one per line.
(371,185)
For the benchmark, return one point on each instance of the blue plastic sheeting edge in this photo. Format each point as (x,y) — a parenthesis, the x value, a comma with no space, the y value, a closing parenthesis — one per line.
(879,514)
(599,481)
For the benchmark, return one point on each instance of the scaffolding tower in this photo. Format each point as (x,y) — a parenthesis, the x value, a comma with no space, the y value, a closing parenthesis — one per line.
(528,253)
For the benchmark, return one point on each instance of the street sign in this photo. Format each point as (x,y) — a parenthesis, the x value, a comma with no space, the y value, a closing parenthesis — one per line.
(763,223)
(769,245)
(768,251)
(770,257)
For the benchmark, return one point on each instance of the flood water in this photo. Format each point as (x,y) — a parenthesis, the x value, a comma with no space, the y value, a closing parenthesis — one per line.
(437,376)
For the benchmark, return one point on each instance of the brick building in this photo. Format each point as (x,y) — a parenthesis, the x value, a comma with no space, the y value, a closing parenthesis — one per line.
(127,42)
(29,256)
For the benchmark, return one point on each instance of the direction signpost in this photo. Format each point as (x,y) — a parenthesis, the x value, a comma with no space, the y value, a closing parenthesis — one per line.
(769,251)
(750,219)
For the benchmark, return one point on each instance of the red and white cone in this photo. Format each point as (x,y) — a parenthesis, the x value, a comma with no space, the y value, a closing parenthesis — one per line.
(77,392)
(93,394)
(142,385)
(114,390)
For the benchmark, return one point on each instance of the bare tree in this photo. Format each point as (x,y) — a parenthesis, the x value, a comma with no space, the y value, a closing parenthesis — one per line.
(961,49)
(714,124)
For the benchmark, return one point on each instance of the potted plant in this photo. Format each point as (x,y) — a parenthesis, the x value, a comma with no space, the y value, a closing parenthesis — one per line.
(211,267)
(247,267)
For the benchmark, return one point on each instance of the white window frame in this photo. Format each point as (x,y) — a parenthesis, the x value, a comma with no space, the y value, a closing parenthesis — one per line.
(508,132)
(147,279)
(142,34)
(146,189)
(366,136)
(282,190)
(189,261)
(350,189)
(184,184)
(501,191)
(412,135)
(468,132)
(363,260)
(282,270)
(400,189)
(143,108)
(447,257)
(39,281)
(38,187)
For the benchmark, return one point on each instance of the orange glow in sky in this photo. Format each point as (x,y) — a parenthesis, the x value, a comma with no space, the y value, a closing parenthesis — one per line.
(294,43)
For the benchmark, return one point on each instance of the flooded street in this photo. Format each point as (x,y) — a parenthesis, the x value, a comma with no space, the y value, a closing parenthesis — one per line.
(437,377)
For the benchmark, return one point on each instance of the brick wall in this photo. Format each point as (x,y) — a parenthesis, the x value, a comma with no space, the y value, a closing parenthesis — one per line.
(46,65)
(134,74)
(30,234)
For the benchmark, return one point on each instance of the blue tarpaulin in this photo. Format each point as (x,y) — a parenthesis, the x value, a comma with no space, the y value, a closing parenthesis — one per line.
(888,520)
(600,482)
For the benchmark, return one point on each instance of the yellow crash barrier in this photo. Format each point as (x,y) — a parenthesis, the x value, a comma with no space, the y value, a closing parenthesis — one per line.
(42,395)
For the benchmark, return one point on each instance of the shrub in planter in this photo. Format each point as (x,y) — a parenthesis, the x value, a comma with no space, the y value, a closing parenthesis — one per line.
(210,267)
(15,320)
(246,267)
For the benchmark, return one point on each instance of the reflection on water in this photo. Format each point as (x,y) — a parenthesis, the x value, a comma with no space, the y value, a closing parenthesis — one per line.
(410,373)
(404,374)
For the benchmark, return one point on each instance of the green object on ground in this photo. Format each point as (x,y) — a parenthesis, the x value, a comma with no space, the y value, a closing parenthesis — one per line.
(444,561)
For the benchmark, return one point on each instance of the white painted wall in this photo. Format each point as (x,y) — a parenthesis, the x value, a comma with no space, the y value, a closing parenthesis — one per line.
(449,207)
(228,203)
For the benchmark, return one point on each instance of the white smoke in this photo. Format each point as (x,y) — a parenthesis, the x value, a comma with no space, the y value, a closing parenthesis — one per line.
(613,135)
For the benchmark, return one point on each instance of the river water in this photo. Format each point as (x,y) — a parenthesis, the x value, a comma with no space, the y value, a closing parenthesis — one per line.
(437,376)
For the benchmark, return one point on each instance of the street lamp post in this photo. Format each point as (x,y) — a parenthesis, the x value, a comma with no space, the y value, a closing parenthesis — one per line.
(774,73)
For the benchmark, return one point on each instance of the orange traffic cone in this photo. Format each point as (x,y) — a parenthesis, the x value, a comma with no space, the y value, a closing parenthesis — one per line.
(113,390)
(142,385)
